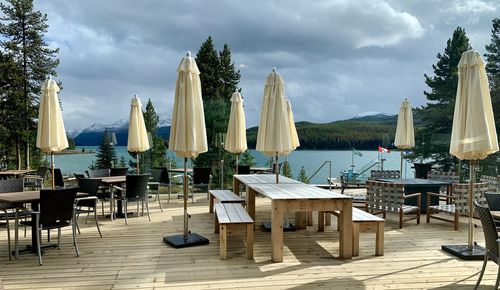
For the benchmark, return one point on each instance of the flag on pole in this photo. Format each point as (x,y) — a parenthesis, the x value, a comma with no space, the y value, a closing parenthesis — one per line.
(382,149)
(354,151)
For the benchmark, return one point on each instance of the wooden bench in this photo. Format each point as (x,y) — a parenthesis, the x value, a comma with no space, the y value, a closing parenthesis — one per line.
(364,221)
(223,196)
(228,218)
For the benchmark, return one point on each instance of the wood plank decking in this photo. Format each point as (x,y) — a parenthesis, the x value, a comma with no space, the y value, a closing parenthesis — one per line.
(135,257)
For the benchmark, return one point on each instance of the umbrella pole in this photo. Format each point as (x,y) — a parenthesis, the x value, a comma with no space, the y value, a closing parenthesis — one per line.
(472,176)
(236,169)
(52,168)
(401,168)
(276,168)
(137,161)
(185,186)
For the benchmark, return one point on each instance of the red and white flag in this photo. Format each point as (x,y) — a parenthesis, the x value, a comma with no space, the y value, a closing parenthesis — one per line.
(382,149)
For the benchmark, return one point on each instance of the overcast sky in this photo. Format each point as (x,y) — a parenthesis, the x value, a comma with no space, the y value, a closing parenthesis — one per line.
(339,58)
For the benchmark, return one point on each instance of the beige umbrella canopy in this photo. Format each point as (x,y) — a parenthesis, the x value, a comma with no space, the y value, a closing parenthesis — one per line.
(405,136)
(188,136)
(137,135)
(291,121)
(236,137)
(274,134)
(473,135)
(51,135)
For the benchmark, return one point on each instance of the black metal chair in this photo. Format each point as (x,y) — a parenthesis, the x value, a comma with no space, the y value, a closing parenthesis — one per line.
(201,178)
(119,171)
(136,190)
(88,204)
(161,179)
(58,178)
(98,173)
(491,239)
(35,181)
(103,193)
(11,185)
(78,176)
(243,169)
(56,211)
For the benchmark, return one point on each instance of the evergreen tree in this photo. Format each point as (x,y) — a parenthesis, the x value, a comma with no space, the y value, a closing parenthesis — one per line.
(22,30)
(287,169)
(437,114)
(106,154)
(229,77)
(303,176)
(209,65)
(123,162)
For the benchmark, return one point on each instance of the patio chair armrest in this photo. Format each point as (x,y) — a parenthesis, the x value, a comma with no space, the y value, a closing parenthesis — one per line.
(153,183)
(442,196)
(416,194)
(85,198)
(117,187)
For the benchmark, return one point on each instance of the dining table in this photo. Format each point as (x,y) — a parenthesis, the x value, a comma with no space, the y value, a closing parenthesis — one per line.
(14,173)
(290,195)
(414,185)
(111,181)
(16,199)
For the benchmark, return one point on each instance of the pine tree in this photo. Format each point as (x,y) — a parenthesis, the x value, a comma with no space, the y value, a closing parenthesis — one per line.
(287,169)
(106,154)
(22,30)
(229,77)
(303,176)
(437,114)
(209,65)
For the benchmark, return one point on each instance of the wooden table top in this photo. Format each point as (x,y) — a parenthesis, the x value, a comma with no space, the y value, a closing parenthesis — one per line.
(415,181)
(27,196)
(180,170)
(295,191)
(111,179)
(15,172)
(264,178)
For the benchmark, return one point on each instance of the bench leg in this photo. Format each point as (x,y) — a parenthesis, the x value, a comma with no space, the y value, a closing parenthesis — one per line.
(355,239)
(379,239)
(321,221)
(216,222)
(250,241)
(211,204)
(223,242)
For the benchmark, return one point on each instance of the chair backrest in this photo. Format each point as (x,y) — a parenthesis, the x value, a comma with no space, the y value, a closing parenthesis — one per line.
(42,171)
(201,175)
(137,185)
(119,171)
(493,182)
(489,230)
(98,173)
(493,200)
(443,176)
(57,204)
(58,178)
(385,174)
(160,175)
(243,169)
(384,195)
(89,185)
(78,176)
(460,194)
(11,185)
(273,167)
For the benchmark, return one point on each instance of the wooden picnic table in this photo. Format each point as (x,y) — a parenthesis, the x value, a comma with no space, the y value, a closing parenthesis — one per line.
(293,196)
(14,173)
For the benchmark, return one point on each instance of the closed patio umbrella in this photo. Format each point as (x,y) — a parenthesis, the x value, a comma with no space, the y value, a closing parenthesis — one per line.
(274,134)
(51,135)
(405,136)
(236,137)
(137,136)
(473,135)
(188,136)
(291,121)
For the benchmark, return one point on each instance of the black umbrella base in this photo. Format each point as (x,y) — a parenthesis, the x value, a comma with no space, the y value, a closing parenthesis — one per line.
(287,227)
(463,252)
(181,241)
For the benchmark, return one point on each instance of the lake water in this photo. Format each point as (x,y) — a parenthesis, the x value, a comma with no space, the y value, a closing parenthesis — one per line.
(310,159)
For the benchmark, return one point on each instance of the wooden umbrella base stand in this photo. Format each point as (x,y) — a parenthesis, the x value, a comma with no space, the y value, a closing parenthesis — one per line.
(181,241)
(464,253)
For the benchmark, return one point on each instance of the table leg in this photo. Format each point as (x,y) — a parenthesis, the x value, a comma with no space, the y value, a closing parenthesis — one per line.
(33,247)
(236,186)
(345,242)
(278,208)
(251,203)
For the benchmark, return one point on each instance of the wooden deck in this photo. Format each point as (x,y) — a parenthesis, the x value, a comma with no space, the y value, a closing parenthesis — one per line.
(135,257)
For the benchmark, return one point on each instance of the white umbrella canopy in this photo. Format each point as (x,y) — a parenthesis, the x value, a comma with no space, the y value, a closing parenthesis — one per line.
(405,134)
(188,137)
(137,134)
(51,134)
(291,121)
(473,135)
(274,134)
(236,136)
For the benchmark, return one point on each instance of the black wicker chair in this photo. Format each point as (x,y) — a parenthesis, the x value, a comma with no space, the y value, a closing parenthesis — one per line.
(58,178)
(491,239)
(161,178)
(98,173)
(119,171)
(103,193)
(201,178)
(35,181)
(136,190)
(56,211)
(88,204)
